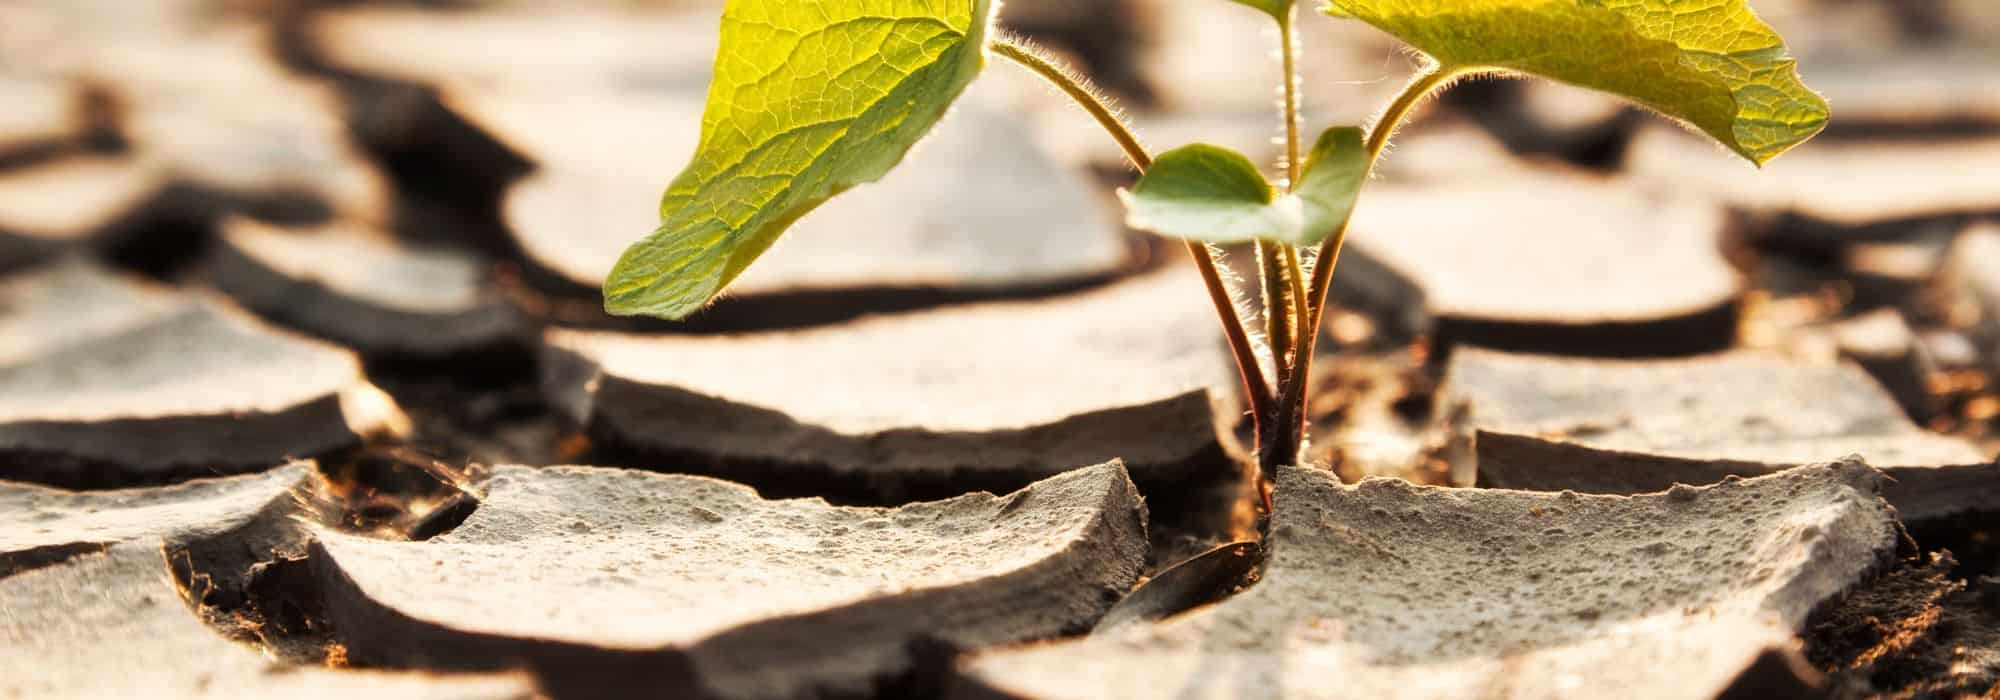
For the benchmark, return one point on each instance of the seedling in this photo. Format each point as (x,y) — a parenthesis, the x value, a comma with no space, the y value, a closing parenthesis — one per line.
(812,97)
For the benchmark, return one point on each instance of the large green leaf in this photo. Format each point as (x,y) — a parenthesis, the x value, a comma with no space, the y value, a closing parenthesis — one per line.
(1210,193)
(1711,63)
(808,100)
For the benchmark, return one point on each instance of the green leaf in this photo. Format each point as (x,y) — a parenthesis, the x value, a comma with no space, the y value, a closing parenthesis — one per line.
(1280,10)
(1334,173)
(1210,193)
(808,100)
(1710,63)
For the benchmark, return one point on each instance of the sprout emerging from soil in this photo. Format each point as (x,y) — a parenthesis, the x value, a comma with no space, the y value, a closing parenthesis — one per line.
(812,98)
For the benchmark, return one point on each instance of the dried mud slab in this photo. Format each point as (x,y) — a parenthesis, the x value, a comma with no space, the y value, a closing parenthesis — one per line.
(1608,426)
(113,624)
(1928,93)
(286,153)
(523,77)
(526,76)
(1836,192)
(122,383)
(49,118)
(98,589)
(1882,343)
(300,168)
(357,285)
(69,204)
(1972,276)
(70,301)
(940,402)
(40,526)
(564,47)
(401,68)
(1452,149)
(1388,590)
(1554,263)
(927,233)
(1899,272)
(608,582)
(204,96)
(38,111)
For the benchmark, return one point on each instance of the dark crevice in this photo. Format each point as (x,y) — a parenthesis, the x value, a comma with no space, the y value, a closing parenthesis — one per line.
(497,363)
(227,578)
(287,613)
(97,114)
(932,665)
(1946,129)
(1499,107)
(484,406)
(23,561)
(1700,332)
(29,153)
(1806,239)
(1776,674)
(69,471)
(253,583)
(1915,631)
(483,339)
(1972,538)
(449,176)
(393,492)
(445,517)
(168,233)
(777,479)
(1200,580)
(545,296)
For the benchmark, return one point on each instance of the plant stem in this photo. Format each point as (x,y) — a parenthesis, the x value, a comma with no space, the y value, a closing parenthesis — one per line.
(1278,321)
(1295,273)
(1256,387)
(1290,52)
(1288,423)
(1283,287)
(1019,51)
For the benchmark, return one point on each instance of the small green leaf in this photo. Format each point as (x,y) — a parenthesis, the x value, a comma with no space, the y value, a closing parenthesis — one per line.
(1280,10)
(1210,193)
(1334,174)
(1710,63)
(808,100)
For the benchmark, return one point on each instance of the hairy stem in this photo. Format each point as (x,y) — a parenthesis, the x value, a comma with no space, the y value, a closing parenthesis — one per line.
(1295,274)
(1278,320)
(1290,52)
(1285,307)
(1288,424)
(1283,288)
(1019,51)
(1256,387)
